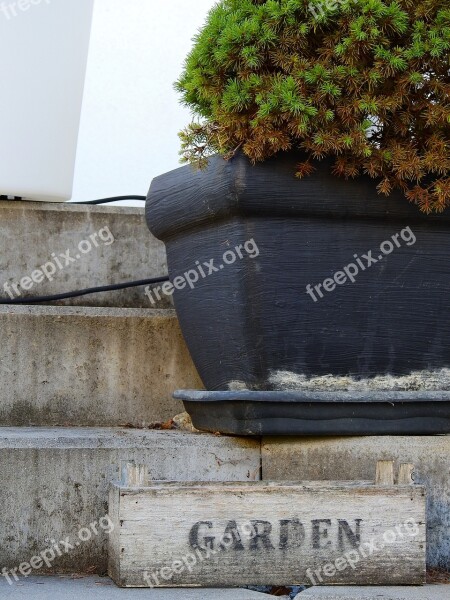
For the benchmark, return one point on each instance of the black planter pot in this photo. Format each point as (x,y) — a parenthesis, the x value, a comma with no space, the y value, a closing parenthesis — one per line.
(332,287)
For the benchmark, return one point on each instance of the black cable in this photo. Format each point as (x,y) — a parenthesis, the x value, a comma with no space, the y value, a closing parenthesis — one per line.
(114,199)
(101,201)
(96,290)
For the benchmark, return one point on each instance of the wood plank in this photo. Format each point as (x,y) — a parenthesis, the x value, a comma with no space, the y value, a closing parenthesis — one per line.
(114,541)
(385,472)
(268,533)
(406,474)
(134,475)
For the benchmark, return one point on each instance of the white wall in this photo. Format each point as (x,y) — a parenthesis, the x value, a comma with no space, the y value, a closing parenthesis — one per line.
(131,113)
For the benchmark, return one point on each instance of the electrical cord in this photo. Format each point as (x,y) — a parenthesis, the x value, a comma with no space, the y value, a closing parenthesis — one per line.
(87,291)
(113,199)
(91,202)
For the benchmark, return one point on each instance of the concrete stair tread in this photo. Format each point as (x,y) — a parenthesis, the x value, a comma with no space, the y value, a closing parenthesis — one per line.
(427,592)
(99,588)
(85,311)
(94,437)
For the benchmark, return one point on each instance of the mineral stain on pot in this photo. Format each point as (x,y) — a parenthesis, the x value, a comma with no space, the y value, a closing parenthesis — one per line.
(438,380)
(427,380)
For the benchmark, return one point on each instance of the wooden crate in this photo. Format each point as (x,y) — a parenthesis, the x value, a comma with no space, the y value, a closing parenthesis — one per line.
(267,533)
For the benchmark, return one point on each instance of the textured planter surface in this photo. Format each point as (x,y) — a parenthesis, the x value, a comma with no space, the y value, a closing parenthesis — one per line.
(252,324)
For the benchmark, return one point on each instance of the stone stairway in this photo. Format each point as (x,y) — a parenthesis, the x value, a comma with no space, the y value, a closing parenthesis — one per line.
(80,384)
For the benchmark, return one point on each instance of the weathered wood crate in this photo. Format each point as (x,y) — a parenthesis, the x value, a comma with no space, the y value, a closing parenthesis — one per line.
(267,533)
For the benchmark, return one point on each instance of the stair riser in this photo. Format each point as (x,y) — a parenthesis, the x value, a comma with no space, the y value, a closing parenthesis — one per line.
(59,483)
(113,245)
(90,367)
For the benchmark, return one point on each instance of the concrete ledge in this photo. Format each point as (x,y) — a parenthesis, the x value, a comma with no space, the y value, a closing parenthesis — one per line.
(55,482)
(43,588)
(429,592)
(354,458)
(89,366)
(34,233)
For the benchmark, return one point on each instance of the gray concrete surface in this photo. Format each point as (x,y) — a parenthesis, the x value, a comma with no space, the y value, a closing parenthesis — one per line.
(34,233)
(428,592)
(86,366)
(54,482)
(96,588)
(354,458)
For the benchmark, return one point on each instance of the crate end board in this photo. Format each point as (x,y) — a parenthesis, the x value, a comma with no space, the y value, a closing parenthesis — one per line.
(267,533)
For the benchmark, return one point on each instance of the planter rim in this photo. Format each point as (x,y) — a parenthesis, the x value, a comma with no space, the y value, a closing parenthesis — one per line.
(337,397)
(293,413)
(186,198)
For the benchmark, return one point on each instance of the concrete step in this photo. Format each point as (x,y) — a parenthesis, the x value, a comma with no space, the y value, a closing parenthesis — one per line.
(55,485)
(80,247)
(86,366)
(354,458)
(428,592)
(90,588)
